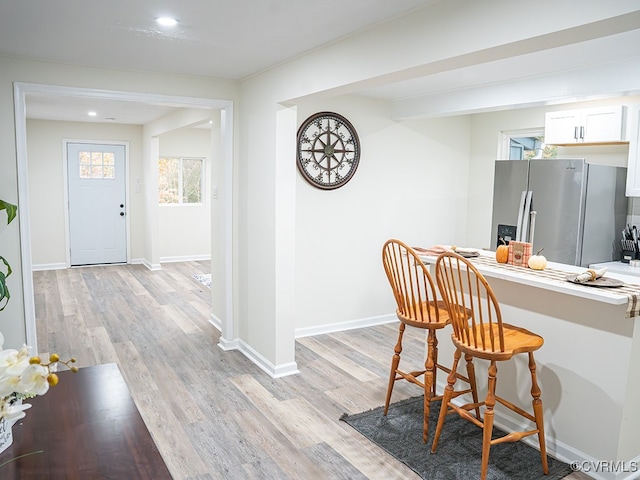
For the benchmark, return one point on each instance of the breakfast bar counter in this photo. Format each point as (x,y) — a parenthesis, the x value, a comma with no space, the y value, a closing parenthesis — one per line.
(588,367)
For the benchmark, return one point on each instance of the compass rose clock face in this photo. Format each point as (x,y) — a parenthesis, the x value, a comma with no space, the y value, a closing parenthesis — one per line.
(328,150)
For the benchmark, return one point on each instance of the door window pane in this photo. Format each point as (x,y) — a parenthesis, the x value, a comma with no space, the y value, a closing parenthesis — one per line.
(97,165)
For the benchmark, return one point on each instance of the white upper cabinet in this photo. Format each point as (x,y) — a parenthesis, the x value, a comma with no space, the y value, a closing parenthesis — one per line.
(589,125)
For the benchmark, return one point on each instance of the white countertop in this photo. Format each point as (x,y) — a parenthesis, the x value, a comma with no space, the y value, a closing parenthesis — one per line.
(617,267)
(529,277)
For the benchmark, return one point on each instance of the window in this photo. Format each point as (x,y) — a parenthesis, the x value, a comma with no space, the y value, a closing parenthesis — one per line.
(180,180)
(525,148)
(524,145)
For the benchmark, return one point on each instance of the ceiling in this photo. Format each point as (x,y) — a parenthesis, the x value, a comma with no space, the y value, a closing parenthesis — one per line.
(237,39)
(214,38)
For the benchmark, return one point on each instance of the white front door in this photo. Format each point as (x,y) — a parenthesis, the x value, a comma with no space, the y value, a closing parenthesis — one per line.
(97,209)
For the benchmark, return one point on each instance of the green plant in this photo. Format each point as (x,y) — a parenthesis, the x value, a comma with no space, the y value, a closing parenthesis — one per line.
(4,291)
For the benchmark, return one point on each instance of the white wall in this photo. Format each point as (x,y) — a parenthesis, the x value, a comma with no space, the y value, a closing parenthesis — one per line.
(486,131)
(12,319)
(425,182)
(395,51)
(411,184)
(185,230)
(46,160)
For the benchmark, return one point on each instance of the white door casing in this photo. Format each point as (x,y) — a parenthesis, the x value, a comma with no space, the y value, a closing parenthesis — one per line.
(224,227)
(96,179)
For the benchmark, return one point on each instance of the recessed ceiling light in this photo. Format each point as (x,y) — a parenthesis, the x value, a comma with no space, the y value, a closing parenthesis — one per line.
(92,114)
(167,21)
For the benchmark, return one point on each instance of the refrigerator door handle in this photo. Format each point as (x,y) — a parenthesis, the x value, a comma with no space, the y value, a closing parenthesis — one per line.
(520,214)
(532,229)
(525,217)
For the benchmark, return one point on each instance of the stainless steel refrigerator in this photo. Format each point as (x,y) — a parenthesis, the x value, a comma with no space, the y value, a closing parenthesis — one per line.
(576,211)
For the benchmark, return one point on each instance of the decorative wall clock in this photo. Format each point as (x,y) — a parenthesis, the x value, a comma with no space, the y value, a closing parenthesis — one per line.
(328,150)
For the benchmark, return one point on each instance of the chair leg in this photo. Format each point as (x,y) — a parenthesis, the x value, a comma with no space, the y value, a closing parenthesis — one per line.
(471,375)
(395,362)
(537,413)
(490,402)
(448,394)
(429,380)
(435,362)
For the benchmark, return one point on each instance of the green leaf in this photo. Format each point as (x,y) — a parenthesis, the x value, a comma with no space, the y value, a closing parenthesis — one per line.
(4,290)
(11,210)
(4,260)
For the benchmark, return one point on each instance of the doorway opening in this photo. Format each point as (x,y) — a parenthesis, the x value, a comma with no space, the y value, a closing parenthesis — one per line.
(223,205)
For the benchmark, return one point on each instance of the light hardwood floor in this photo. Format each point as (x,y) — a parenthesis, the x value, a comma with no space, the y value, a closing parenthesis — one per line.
(214,414)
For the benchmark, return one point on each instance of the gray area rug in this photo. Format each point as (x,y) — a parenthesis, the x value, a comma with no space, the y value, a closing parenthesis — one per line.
(459,450)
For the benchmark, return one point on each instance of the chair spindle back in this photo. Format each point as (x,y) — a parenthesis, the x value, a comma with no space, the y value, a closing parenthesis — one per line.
(412,285)
(472,305)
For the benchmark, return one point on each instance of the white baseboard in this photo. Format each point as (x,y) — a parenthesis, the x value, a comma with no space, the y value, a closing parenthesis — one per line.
(158,266)
(216,322)
(598,469)
(136,261)
(185,258)
(146,263)
(49,266)
(274,371)
(291,368)
(594,468)
(341,327)
(228,345)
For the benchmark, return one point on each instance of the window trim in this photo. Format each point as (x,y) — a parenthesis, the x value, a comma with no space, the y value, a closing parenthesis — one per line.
(504,140)
(504,143)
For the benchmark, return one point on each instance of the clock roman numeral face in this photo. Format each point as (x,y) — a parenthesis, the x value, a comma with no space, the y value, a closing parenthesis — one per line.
(328,150)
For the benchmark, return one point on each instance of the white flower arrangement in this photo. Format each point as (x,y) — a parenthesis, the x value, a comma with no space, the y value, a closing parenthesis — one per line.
(22,377)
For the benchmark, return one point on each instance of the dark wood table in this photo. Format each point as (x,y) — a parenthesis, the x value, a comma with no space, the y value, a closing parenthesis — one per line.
(88,427)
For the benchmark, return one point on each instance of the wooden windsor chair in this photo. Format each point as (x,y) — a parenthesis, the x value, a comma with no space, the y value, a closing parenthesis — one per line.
(417,306)
(483,335)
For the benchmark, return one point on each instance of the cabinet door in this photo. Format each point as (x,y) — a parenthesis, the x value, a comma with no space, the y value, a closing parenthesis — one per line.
(561,127)
(602,125)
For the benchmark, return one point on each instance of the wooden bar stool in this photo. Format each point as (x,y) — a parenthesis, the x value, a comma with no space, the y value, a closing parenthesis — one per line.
(484,335)
(418,306)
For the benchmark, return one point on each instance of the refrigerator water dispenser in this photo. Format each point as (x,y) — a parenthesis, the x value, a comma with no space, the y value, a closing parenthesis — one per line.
(506,233)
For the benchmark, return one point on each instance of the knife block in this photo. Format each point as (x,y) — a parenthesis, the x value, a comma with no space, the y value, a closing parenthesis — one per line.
(519,253)
(628,255)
